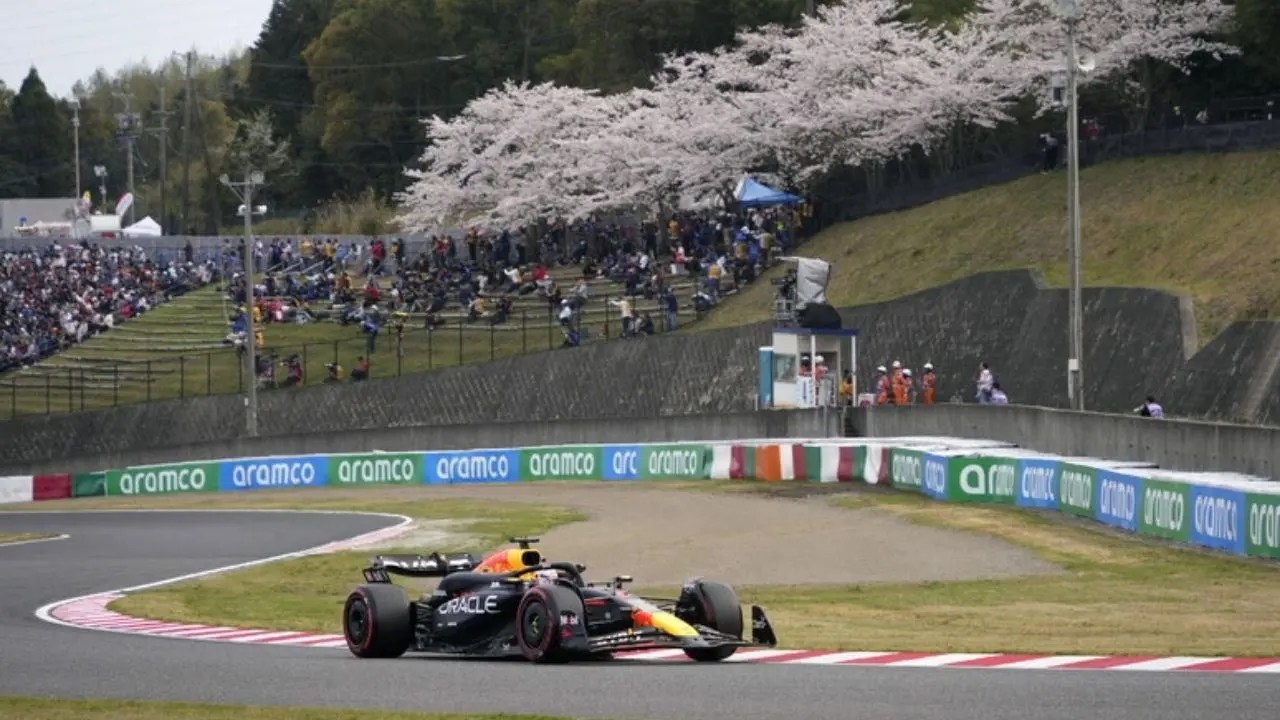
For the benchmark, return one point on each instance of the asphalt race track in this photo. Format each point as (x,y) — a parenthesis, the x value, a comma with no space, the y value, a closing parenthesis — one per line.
(112,550)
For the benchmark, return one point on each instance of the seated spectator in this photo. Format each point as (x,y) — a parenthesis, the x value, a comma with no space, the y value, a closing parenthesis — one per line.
(645,325)
(581,294)
(702,302)
(333,372)
(712,282)
(514,279)
(997,395)
(361,370)
(501,312)
(293,370)
(540,277)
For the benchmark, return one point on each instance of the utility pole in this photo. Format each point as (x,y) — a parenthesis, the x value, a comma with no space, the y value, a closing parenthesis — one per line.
(244,190)
(1075,359)
(809,8)
(75,122)
(163,133)
(188,99)
(127,130)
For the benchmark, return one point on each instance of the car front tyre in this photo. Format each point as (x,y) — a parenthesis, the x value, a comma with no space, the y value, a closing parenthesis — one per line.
(377,621)
(716,606)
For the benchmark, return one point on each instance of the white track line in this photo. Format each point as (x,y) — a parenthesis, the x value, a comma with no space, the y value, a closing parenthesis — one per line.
(1048,663)
(836,658)
(1272,668)
(1167,663)
(45,612)
(33,541)
(934,661)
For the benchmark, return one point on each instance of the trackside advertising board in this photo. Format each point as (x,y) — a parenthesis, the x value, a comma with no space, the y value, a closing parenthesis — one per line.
(1227,512)
(273,473)
(471,467)
(164,479)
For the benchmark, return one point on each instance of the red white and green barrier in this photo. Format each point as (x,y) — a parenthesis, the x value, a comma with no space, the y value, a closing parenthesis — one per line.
(1229,512)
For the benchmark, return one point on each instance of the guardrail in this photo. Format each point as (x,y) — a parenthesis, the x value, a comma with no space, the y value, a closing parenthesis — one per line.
(1229,512)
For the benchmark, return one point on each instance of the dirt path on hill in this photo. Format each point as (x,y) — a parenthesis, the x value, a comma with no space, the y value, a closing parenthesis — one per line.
(663,537)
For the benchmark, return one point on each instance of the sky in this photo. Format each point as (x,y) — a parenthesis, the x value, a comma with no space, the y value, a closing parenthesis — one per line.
(66,40)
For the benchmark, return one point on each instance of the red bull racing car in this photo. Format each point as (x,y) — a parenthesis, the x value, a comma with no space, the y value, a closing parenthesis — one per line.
(514,603)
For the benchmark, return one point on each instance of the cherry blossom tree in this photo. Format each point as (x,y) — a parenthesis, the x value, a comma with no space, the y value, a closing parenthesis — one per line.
(856,84)
(1124,38)
(503,162)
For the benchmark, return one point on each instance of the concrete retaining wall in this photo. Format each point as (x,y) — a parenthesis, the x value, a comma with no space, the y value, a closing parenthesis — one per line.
(1171,444)
(727,426)
(1138,341)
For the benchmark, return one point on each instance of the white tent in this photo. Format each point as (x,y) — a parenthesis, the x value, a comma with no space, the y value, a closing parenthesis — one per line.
(146,227)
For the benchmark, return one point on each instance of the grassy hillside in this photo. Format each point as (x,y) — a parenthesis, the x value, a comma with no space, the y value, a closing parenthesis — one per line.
(1207,225)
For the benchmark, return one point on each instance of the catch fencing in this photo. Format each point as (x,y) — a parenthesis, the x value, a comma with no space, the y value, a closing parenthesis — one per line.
(72,384)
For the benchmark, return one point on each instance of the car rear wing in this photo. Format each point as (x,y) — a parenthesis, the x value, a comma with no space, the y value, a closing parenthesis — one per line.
(423,566)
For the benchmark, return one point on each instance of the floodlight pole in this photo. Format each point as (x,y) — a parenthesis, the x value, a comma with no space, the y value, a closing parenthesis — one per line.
(1075,359)
(244,190)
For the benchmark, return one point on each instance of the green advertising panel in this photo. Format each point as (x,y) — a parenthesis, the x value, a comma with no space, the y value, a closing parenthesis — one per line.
(92,484)
(1075,490)
(660,462)
(1164,510)
(1262,525)
(905,468)
(376,469)
(162,479)
(575,462)
(982,479)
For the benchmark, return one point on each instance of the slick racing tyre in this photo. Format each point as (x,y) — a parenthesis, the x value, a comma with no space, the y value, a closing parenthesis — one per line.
(716,606)
(538,622)
(377,621)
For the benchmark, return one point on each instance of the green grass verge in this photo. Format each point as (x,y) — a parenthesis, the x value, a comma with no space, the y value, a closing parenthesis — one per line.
(8,538)
(30,708)
(1198,224)
(306,594)
(1119,595)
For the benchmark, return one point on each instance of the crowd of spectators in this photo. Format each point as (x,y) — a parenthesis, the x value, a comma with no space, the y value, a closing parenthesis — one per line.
(56,296)
(488,278)
(62,294)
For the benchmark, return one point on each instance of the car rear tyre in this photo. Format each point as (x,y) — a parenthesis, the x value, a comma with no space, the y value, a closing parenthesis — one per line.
(539,621)
(716,606)
(377,621)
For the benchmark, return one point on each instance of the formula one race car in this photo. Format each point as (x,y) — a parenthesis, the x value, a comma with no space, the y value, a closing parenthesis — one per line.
(515,603)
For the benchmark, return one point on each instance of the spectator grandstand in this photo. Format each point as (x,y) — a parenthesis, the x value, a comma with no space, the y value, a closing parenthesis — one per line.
(61,295)
(324,308)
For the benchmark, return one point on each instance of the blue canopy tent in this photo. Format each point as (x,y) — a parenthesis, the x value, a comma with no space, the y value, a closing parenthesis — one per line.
(750,193)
